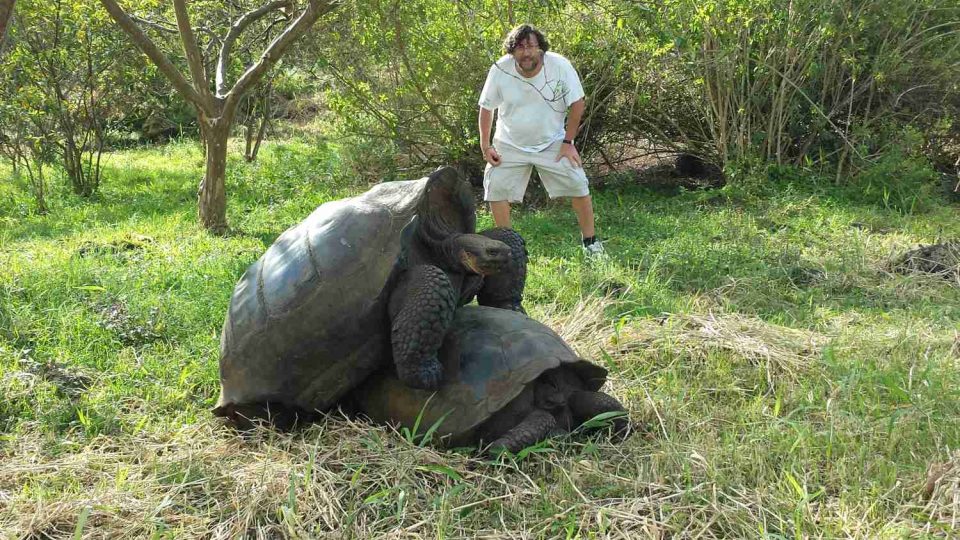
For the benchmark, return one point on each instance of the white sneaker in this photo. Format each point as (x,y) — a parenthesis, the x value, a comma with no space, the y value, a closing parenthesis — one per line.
(595,251)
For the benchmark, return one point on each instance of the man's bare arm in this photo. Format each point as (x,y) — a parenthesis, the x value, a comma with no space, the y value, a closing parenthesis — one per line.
(569,151)
(490,154)
(486,122)
(573,119)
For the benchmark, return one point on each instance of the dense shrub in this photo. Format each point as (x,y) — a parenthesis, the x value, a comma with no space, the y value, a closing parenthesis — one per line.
(805,83)
(60,80)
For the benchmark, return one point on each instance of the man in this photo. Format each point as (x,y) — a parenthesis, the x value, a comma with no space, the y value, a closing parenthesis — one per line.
(531,89)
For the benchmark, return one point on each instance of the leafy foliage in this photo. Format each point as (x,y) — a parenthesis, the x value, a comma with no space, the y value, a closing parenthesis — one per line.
(64,79)
(806,83)
(826,87)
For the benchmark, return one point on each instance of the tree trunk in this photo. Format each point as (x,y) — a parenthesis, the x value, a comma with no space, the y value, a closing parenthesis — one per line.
(72,162)
(257,113)
(260,133)
(248,135)
(37,182)
(212,196)
(6,13)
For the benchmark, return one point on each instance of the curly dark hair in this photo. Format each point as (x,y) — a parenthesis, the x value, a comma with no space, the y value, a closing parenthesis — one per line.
(520,34)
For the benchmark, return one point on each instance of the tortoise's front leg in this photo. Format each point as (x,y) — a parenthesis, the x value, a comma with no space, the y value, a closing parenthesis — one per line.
(586,405)
(421,310)
(505,288)
(536,427)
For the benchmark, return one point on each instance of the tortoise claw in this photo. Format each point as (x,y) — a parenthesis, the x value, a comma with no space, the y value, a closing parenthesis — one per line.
(427,375)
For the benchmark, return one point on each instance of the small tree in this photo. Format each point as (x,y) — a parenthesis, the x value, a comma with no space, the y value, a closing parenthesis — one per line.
(64,59)
(217,107)
(257,109)
(28,140)
(60,82)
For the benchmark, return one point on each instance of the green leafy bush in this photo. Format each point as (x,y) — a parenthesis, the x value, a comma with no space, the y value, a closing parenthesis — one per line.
(801,83)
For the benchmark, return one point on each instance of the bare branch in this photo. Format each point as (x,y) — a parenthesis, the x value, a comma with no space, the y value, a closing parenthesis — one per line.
(180,83)
(269,29)
(192,50)
(159,26)
(232,36)
(164,26)
(405,59)
(275,50)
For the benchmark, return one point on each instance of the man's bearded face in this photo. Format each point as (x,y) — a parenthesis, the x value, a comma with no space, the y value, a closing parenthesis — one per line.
(528,55)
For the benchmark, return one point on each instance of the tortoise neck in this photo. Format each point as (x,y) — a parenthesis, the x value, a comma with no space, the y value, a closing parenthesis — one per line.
(446,212)
(443,248)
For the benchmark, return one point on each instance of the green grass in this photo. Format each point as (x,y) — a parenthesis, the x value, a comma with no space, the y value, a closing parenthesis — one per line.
(789,385)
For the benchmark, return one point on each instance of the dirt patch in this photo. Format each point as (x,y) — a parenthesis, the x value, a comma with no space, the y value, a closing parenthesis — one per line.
(669,174)
(127,243)
(70,381)
(936,259)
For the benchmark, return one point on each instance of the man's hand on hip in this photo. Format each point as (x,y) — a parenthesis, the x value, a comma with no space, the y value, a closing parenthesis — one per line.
(491,156)
(569,151)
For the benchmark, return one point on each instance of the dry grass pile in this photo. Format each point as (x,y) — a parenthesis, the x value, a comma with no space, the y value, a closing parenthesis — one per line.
(781,351)
(341,479)
(582,326)
(338,479)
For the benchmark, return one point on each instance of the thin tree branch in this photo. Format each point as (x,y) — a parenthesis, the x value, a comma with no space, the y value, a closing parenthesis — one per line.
(159,26)
(180,83)
(169,28)
(232,36)
(192,51)
(261,37)
(402,49)
(252,76)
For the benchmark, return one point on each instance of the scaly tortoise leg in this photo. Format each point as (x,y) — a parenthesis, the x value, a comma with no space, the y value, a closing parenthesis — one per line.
(534,428)
(421,310)
(505,288)
(586,405)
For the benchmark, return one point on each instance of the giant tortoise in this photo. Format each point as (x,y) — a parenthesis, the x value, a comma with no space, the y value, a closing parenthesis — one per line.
(510,382)
(358,282)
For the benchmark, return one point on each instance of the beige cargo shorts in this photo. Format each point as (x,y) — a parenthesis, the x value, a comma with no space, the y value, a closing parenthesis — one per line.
(508,181)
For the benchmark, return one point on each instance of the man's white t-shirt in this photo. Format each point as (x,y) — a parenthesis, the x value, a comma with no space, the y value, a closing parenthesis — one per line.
(531,112)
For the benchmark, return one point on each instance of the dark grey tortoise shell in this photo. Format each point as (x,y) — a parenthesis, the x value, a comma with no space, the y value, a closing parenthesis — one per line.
(305,323)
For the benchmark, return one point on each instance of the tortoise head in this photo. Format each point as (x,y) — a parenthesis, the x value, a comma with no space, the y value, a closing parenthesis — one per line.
(554,387)
(479,254)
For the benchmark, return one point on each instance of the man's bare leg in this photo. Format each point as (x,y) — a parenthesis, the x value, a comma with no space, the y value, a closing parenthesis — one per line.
(501,213)
(583,207)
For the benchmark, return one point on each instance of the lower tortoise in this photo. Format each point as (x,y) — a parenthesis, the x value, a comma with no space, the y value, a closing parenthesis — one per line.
(510,383)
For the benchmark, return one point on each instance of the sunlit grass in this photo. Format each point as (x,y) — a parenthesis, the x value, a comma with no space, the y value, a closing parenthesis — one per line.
(783,381)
